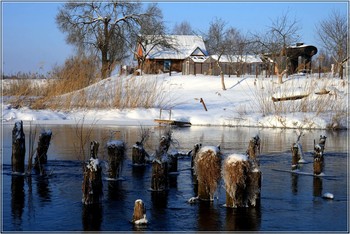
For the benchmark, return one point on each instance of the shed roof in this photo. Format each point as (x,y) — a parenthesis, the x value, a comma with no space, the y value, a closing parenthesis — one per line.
(185,46)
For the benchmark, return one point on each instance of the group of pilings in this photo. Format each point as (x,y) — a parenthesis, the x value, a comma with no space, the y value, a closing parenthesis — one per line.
(241,174)
(19,150)
(318,155)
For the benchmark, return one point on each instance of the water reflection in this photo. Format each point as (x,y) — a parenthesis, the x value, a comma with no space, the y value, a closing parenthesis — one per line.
(294,183)
(43,188)
(17,201)
(317,187)
(116,192)
(92,217)
(243,219)
(208,217)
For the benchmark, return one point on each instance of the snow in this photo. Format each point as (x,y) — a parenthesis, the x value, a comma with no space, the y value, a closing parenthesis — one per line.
(233,158)
(236,106)
(94,164)
(328,196)
(115,143)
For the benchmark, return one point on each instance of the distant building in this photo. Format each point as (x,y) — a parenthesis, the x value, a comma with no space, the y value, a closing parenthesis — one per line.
(162,59)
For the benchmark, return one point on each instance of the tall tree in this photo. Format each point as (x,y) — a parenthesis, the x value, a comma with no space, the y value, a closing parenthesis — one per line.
(184,28)
(101,26)
(282,33)
(333,33)
(152,34)
(217,43)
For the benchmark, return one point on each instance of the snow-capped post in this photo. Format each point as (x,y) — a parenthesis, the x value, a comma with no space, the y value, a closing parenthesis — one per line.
(318,155)
(92,186)
(138,154)
(295,156)
(207,167)
(41,150)
(160,163)
(116,153)
(139,215)
(253,181)
(18,148)
(235,173)
(322,142)
(318,160)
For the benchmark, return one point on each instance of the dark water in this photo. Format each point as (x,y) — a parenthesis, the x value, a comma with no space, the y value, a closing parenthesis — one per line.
(288,202)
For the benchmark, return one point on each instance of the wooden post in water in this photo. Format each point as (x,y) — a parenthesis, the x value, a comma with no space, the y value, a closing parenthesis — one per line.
(295,156)
(116,153)
(139,215)
(318,160)
(159,180)
(138,154)
(322,142)
(92,186)
(253,181)
(172,162)
(235,173)
(207,167)
(41,150)
(18,148)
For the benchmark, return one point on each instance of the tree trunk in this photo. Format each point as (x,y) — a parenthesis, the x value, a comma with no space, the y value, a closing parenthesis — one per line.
(223,81)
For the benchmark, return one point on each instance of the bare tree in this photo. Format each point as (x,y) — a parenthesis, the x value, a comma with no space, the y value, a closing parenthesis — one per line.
(237,49)
(217,43)
(152,34)
(333,34)
(101,26)
(184,28)
(282,33)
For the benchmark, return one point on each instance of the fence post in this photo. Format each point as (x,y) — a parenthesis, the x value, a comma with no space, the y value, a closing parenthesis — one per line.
(41,150)
(18,148)
(116,153)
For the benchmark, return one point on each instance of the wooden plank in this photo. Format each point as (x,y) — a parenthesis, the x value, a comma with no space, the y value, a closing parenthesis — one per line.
(172,122)
(290,98)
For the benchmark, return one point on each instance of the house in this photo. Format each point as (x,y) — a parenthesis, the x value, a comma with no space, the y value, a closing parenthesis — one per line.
(236,64)
(170,56)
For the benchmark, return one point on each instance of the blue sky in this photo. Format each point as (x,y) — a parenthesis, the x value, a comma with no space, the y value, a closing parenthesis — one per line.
(31,41)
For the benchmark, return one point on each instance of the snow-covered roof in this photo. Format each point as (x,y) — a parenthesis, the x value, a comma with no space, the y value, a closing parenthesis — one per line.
(238,58)
(186,45)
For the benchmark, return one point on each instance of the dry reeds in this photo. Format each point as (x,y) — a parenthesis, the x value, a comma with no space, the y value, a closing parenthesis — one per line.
(332,102)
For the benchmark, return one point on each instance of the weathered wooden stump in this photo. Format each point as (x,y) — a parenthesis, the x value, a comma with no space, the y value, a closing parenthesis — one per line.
(173,161)
(18,148)
(322,142)
(159,175)
(317,186)
(139,215)
(253,181)
(235,174)
(41,150)
(139,154)
(295,157)
(92,186)
(318,160)
(159,180)
(116,154)
(207,168)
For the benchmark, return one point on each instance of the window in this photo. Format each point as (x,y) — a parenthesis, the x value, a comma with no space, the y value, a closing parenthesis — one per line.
(167,64)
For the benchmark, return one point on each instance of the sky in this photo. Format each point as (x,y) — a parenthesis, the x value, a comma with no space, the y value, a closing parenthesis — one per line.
(32,42)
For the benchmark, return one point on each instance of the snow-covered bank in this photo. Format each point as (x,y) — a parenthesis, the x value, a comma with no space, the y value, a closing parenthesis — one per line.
(246,102)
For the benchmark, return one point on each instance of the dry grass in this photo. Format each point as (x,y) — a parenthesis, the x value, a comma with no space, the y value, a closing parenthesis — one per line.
(335,102)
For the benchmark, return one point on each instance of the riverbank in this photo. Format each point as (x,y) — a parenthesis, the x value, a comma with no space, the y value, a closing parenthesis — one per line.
(247,101)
